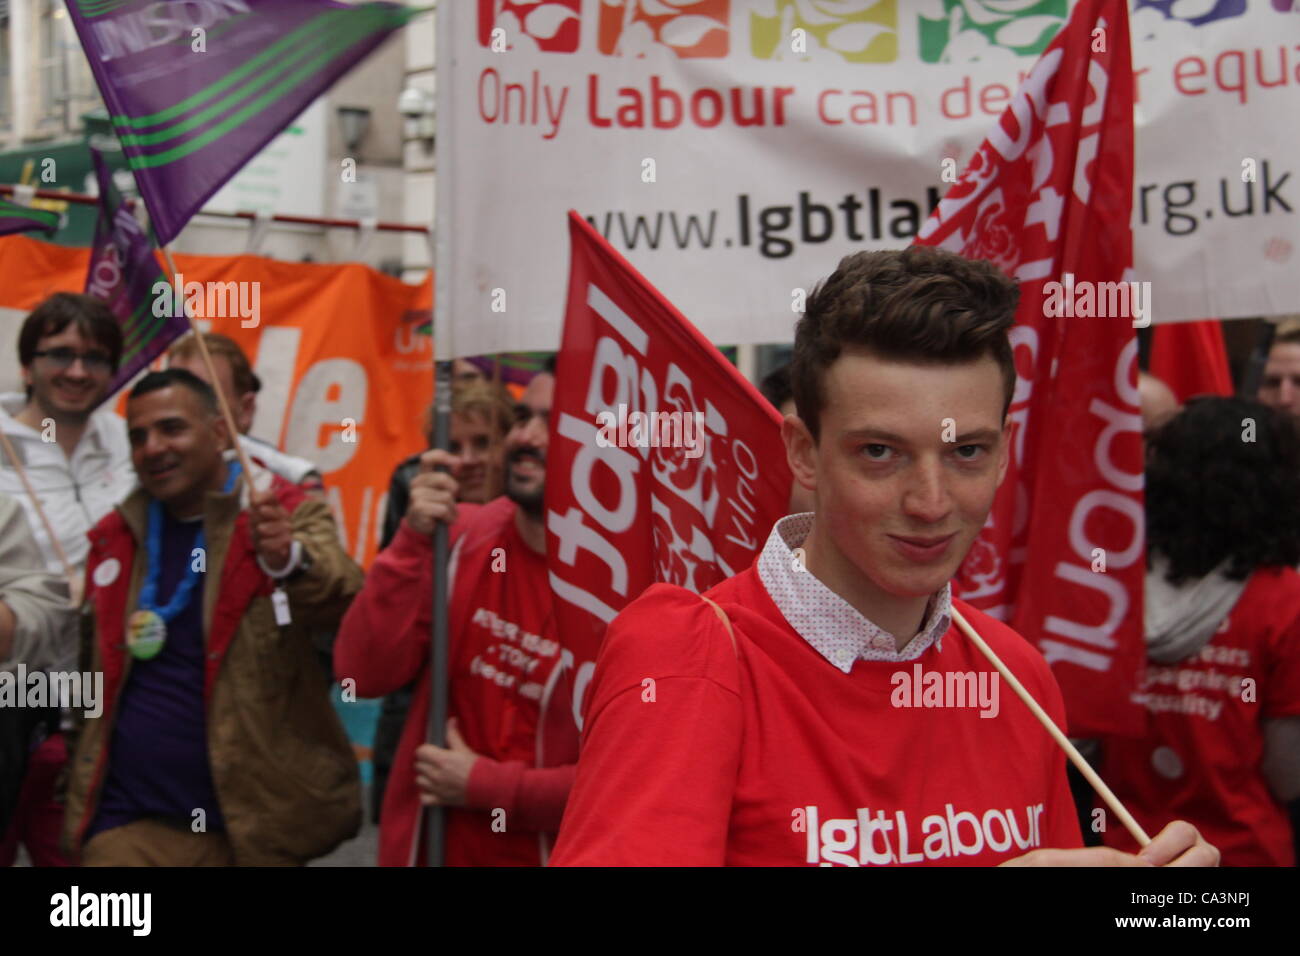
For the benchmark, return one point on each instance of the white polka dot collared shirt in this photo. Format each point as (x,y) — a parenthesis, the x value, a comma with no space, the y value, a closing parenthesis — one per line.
(835,629)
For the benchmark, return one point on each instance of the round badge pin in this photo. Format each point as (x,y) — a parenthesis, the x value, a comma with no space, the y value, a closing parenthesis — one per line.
(106,572)
(1167,763)
(146,633)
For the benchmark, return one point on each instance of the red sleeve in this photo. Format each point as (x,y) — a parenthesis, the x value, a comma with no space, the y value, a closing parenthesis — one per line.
(383,640)
(659,760)
(1280,690)
(533,799)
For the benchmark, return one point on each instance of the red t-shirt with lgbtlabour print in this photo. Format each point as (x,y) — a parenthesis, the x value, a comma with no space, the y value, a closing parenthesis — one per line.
(1200,758)
(695,753)
(504,658)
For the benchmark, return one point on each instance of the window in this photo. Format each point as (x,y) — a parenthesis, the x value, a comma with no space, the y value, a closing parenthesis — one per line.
(50,62)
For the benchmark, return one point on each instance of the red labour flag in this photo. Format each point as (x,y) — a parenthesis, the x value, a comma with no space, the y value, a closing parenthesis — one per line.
(664,463)
(1190,358)
(1047,198)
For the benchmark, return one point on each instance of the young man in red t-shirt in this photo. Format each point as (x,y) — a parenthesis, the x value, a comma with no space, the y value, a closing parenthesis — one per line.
(812,733)
(512,741)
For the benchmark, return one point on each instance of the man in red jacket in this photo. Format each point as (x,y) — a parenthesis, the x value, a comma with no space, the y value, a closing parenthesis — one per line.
(509,765)
(217,743)
(829,713)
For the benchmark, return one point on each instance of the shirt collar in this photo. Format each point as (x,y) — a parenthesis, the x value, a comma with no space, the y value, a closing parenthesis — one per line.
(834,628)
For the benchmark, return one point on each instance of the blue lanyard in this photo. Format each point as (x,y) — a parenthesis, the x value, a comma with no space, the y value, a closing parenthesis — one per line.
(181,597)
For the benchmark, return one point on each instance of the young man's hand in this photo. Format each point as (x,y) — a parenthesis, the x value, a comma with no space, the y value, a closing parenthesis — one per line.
(442,775)
(1179,844)
(433,493)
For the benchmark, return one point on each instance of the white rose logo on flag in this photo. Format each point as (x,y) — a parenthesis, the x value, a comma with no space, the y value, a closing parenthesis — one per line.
(993,238)
(686,465)
(656,445)
(683,552)
(691,564)
(981,573)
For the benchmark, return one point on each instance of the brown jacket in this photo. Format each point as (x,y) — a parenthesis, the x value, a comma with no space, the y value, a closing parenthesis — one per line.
(285,775)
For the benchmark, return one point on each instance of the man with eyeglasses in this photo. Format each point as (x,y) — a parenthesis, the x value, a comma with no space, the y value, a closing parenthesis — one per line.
(78,462)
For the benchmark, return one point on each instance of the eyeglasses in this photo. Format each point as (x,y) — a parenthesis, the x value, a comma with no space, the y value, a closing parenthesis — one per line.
(97,363)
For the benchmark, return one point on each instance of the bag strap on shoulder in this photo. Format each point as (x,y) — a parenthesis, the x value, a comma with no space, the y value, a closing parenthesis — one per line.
(726,622)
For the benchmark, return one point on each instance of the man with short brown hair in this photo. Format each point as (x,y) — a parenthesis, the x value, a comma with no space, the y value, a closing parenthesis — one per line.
(786,723)
(73,452)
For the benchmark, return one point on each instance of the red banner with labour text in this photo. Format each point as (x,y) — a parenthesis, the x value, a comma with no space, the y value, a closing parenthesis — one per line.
(1047,197)
(664,464)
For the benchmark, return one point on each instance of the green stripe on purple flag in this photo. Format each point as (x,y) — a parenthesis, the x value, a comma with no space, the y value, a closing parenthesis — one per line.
(123,272)
(16,218)
(189,119)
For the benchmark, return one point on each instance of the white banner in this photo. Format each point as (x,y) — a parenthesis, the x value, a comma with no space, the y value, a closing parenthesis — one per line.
(734,150)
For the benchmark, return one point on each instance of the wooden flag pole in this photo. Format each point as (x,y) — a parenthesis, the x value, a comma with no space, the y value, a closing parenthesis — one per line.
(1062,741)
(216,380)
(68,571)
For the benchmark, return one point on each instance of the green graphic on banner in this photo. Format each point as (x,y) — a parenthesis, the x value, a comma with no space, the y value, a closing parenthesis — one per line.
(972,29)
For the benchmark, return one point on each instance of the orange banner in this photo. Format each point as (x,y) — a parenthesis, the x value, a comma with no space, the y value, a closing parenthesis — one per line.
(346,370)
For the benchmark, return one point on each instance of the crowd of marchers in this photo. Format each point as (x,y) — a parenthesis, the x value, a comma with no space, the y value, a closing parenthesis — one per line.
(201,574)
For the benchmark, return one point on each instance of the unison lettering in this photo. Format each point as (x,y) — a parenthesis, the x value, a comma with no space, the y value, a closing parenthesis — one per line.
(143,29)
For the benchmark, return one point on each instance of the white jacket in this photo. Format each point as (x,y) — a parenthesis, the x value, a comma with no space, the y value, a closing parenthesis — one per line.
(45,633)
(74,493)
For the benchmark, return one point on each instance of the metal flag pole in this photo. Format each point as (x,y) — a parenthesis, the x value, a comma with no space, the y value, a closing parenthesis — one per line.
(436,730)
(1254,372)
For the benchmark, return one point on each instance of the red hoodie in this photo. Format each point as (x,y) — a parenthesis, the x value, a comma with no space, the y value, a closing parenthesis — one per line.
(505,682)
(1200,759)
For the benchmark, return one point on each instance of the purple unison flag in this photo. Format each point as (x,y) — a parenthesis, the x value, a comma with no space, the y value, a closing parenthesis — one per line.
(195,88)
(123,273)
(18,218)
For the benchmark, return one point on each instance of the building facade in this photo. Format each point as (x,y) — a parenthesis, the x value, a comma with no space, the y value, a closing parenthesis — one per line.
(347,156)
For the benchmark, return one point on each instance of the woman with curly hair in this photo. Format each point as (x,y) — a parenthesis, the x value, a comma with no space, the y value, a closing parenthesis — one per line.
(1222,686)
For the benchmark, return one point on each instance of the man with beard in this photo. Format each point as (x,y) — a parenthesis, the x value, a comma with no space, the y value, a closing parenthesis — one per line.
(1280,386)
(506,772)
